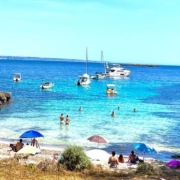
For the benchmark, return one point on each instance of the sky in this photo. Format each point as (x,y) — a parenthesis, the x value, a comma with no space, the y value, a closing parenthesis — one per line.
(127,31)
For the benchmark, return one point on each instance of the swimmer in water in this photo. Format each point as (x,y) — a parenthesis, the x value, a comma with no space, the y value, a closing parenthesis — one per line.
(113,114)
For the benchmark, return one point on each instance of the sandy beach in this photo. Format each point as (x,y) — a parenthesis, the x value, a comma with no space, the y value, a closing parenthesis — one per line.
(47,153)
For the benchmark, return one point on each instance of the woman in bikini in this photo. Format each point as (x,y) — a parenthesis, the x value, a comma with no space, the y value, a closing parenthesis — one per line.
(67,120)
(113,161)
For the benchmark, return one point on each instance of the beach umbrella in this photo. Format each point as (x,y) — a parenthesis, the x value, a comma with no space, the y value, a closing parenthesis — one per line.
(98,154)
(173,163)
(31,134)
(29,150)
(98,139)
(144,148)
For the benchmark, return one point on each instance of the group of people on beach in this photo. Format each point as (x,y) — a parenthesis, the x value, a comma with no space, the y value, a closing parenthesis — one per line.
(114,161)
(64,120)
(19,145)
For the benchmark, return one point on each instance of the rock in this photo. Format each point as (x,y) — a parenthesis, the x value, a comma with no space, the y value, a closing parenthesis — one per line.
(4,97)
(8,95)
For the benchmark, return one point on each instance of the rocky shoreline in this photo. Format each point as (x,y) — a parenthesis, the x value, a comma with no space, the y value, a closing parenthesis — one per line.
(4,97)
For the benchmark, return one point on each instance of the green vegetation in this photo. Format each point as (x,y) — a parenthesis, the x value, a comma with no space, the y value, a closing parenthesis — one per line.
(74,158)
(145,168)
(75,165)
(12,169)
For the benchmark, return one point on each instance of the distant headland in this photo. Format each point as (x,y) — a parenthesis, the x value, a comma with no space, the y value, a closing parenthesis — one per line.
(65,60)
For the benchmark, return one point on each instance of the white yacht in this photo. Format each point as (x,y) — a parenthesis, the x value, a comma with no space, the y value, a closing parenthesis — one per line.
(85,78)
(115,70)
(17,77)
(47,85)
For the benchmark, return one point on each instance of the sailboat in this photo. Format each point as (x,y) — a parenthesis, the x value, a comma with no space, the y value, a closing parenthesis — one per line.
(99,75)
(85,78)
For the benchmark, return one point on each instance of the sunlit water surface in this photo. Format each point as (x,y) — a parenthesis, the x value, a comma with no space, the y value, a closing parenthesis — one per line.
(153,91)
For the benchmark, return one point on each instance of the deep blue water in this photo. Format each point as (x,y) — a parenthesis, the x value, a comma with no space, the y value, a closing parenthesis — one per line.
(153,91)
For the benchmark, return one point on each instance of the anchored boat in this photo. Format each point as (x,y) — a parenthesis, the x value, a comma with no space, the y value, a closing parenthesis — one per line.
(17,77)
(111,89)
(85,78)
(47,85)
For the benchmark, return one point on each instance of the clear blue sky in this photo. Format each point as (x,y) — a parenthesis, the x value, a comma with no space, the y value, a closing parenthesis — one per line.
(128,31)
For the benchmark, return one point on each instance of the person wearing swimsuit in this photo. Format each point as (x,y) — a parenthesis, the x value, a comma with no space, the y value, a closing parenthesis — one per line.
(113,161)
(61,119)
(67,120)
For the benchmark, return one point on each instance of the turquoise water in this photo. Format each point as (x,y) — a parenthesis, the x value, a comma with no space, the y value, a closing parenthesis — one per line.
(154,92)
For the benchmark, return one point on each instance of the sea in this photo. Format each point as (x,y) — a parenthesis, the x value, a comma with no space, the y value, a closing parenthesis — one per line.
(153,91)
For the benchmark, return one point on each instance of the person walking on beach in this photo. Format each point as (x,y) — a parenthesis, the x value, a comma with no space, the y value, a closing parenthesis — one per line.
(61,119)
(67,120)
(113,161)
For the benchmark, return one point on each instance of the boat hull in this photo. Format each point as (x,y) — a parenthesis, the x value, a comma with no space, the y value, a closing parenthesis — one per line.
(119,74)
(84,80)
(98,76)
(44,86)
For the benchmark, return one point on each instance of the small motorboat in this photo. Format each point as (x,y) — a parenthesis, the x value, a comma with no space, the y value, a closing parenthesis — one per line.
(111,89)
(47,85)
(17,77)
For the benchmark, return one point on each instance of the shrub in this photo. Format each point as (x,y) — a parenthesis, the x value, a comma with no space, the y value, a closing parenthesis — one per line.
(74,158)
(145,168)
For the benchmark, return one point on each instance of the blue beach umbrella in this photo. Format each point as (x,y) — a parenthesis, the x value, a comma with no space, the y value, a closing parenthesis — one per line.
(144,148)
(31,134)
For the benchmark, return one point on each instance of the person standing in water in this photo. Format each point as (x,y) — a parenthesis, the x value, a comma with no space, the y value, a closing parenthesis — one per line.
(67,120)
(61,119)
(80,108)
(113,114)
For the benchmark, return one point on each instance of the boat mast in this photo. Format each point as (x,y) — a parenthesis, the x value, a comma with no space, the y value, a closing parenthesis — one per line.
(102,59)
(86,59)
(102,56)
